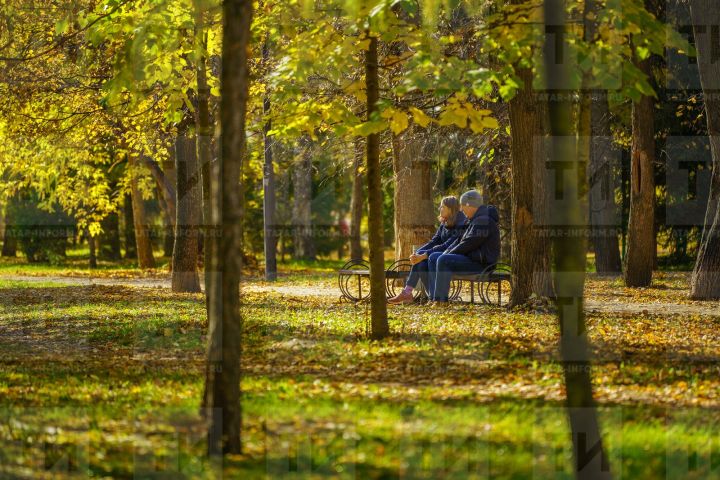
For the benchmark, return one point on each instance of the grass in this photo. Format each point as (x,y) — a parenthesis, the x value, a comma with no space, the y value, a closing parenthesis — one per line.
(106,381)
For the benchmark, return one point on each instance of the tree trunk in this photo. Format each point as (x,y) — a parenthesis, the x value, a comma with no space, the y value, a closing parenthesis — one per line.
(356,202)
(378,301)
(302,202)
(92,244)
(109,240)
(530,248)
(204,146)
(270,237)
(569,257)
(185,251)
(705,280)
(129,220)
(140,222)
(168,234)
(415,213)
(9,248)
(225,323)
(641,229)
(603,210)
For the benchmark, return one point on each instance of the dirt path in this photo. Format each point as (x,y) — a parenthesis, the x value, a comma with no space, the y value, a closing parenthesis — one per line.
(331,294)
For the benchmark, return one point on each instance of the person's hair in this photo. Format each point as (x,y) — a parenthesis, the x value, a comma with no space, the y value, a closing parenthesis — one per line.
(453,205)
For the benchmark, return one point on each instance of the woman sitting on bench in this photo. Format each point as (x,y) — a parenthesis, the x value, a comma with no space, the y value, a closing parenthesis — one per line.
(452,225)
(478,248)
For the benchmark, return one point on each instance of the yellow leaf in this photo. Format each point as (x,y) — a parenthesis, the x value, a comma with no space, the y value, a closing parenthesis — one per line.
(490,122)
(399,122)
(454,116)
(419,117)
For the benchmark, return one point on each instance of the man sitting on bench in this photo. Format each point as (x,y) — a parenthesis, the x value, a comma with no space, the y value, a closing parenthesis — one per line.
(478,248)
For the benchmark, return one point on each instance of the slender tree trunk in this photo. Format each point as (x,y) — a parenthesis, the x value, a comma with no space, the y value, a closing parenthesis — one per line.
(569,257)
(204,129)
(378,301)
(9,248)
(415,213)
(356,202)
(302,202)
(185,251)
(530,248)
(641,229)
(168,235)
(92,244)
(270,237)
(109,240)
(225,322)
(130,242)
(705,280)
(603,210)
(141,226)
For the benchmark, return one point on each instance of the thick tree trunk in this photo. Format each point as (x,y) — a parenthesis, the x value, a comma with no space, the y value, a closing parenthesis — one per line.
(415,214)
(378,301)
(603,210)
(185,251)
(302,202)
(641,224)
(530,247)
(356,202)
(225,323)
(142,229)
(569,257)
(705,280)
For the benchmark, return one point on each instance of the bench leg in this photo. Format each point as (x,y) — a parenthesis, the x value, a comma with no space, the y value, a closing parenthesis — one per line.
(472,292)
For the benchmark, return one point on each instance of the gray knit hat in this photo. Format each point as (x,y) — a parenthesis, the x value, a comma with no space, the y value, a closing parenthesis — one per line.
(471,198)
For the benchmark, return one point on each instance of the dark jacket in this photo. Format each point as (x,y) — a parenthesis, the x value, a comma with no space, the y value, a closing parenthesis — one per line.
(445,236)
(481,240)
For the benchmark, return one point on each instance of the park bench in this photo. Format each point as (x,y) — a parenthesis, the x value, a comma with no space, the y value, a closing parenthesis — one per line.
(492,286)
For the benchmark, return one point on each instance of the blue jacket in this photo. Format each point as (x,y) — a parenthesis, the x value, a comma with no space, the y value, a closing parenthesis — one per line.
(445,236)
(481,240)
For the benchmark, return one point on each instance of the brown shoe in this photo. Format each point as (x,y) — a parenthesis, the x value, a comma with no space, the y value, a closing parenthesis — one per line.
(404,297)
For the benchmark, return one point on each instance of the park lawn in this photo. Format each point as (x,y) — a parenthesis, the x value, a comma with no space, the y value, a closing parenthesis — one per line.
(107,379)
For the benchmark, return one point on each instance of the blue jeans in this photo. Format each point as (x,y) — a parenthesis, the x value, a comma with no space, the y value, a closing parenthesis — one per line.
(419,271)
(432,273)
(442,268)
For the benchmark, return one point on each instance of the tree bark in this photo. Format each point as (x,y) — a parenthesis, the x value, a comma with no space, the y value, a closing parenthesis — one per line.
(109,240)
(705,280)
(270,237)
(356,202)
(590,460)
(92,244)
(415,213)
(378,301)
(641,229)
(225,322)
(140,222)
(130,242)
(9,248)
(302,202)
(603,210)
(185,251)
(530,254)
(204,129)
